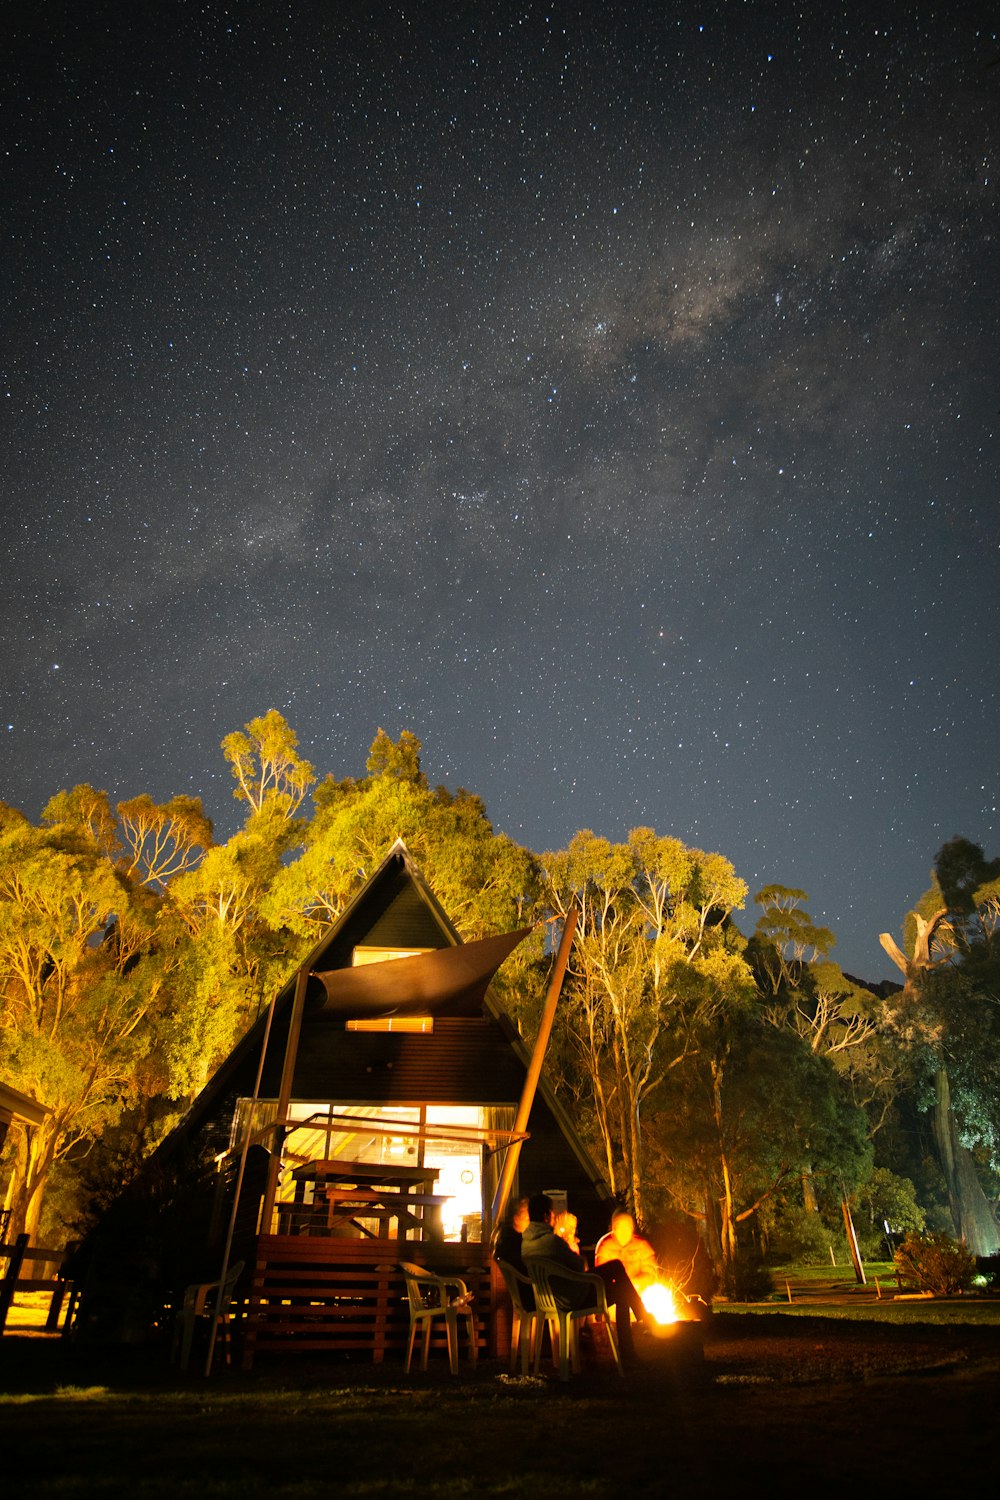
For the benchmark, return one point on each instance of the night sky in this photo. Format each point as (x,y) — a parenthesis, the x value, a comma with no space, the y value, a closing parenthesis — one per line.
(608,394)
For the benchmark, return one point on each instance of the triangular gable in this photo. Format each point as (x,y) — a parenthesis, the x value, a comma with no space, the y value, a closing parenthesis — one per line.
(394,909)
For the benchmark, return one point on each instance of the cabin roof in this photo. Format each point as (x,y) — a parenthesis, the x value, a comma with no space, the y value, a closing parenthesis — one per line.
(477,1055)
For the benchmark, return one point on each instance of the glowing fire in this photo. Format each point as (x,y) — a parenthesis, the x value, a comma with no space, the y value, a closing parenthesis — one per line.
(658,1300)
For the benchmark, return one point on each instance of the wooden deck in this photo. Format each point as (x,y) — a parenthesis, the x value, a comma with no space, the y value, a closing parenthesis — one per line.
(312,1294)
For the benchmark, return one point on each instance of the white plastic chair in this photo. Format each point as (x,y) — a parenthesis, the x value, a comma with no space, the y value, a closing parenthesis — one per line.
(564,1298)
(433,1297)
(526,1328)
(199,1298)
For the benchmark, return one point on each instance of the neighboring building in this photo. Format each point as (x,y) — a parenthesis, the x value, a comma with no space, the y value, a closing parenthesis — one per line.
(17,1106)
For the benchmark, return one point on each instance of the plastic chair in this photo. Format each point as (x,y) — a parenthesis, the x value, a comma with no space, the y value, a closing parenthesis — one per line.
(433,1297)
(199,1298)
(564,1298)
(527,1326)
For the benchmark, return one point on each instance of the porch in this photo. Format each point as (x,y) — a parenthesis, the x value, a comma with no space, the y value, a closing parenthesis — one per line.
(316,1293)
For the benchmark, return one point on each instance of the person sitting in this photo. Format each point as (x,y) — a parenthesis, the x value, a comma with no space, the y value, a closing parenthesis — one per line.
(623,1244)
(541,1240)
(507,1240)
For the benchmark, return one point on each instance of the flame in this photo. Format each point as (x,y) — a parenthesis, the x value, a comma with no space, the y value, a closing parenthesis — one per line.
(658,1300)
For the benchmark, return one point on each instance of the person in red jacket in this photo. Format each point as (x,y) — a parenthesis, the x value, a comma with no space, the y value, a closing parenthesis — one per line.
(636,1254)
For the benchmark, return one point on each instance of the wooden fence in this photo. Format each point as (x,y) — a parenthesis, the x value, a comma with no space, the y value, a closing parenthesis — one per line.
(33,1270)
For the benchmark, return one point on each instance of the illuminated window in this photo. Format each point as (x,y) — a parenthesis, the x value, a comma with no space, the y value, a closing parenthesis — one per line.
(362,955)
(394,1023)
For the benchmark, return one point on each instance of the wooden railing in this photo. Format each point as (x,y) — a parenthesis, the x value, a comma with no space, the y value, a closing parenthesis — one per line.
(21,1260)
(311,1294)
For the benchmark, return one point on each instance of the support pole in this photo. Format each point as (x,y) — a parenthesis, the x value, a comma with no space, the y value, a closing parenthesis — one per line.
(272,1179)
(284,1096)
(852,1242)
(534,1068)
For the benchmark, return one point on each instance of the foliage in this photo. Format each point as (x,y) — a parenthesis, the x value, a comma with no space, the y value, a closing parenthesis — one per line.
(652,955)
(78,983)
(163,840)
(745,1278)
(947,1022)
(935,1263)
(749,1111)
(798,1234)
(886,1199)
(266,765)
(485,882)
(786,938)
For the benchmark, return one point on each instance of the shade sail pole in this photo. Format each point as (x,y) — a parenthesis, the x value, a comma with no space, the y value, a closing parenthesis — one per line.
(284,1095)
(238,1188)
(534,1068)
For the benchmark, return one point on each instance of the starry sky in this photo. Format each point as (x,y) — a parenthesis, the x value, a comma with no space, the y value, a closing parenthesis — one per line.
(606,393)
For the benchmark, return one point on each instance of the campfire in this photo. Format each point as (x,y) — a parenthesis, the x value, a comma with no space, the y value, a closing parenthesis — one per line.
(658,1300)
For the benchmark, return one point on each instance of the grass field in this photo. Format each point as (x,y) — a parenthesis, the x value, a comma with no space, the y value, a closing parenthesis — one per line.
(788,1404)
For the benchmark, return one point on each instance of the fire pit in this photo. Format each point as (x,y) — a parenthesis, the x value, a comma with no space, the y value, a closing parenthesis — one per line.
(672,1324)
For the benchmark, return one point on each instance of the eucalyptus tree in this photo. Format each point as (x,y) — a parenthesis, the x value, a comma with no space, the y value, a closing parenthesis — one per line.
(266,765)
(786,938)
(749,1109)
(947,1018)
(807,993)
(484,880)
(650,962)
(79,980)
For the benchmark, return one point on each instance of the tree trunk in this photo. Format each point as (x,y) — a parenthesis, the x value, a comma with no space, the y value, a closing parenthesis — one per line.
(33,1160)
(713,1241)
(635,1154)
(727,1225)
(975,1223)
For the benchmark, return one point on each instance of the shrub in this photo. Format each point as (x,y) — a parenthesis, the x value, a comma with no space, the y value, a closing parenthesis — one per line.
(798,1234)
(747,1279)
(935,1263)
(887,1211)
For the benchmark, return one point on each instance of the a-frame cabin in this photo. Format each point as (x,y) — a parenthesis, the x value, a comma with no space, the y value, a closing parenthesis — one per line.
(386,1099)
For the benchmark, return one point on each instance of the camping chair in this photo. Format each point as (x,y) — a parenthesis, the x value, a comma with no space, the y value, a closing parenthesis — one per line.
(433,1297)
(199,1298)
(527,1325)
(555,1285)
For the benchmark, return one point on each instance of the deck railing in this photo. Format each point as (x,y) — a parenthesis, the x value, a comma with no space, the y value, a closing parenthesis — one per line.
(311,1294)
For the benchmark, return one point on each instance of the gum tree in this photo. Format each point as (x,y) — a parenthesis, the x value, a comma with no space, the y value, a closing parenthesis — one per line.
(946,1020)
(650,958)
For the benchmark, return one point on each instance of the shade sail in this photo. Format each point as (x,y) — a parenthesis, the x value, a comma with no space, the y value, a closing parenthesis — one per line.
(444,982)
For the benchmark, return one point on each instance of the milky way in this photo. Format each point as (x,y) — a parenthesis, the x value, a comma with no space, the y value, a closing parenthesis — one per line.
(606,394)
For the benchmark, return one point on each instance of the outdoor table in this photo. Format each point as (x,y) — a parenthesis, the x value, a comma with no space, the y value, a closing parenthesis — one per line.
(356,1191)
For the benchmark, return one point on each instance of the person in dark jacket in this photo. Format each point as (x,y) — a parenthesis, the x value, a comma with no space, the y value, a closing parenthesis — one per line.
(540,1239)
(507,1240)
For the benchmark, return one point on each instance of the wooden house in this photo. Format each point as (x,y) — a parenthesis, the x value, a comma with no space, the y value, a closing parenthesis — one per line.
(369,1117)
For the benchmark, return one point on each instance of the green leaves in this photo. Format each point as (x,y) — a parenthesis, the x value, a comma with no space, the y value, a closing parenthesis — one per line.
(266,765)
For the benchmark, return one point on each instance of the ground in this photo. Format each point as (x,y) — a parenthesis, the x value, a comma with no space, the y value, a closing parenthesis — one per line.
(789,1404)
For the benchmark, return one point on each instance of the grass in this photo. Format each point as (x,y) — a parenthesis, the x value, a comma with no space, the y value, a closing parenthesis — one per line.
(903,1388)
(942,1313)
(93,1423)
(832,1291)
